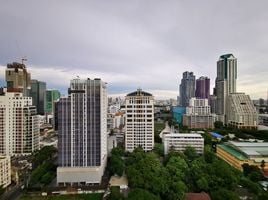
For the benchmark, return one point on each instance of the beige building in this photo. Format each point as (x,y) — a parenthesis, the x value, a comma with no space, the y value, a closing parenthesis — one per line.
(241,112)
(17,78)
(198,114)
(5,171)
(19,124)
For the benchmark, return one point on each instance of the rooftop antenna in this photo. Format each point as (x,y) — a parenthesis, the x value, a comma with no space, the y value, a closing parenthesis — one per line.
(23,59)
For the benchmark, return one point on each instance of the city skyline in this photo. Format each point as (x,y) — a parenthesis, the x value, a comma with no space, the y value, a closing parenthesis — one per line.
(136,44)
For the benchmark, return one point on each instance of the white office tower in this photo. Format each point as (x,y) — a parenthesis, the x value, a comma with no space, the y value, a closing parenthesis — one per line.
(241,112)
(19,124)
(198,114)
(225,83)
(180,141)
(139,121)
(82,132)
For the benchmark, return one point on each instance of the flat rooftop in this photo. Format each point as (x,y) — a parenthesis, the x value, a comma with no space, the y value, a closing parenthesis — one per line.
(183,135)
(233,152)
(252,149)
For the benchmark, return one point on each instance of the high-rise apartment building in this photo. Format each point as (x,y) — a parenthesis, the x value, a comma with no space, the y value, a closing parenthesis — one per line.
(5,171)
(38,93)
(139,121)
(225,82)
(19,124)
(187,88)
(241,112)
(82,133)
(17,78)
(202,88)
(51,97)
(198,114)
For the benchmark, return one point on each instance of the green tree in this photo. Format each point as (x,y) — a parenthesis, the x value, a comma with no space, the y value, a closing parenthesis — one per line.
(118,151)
(44,154)
(116,165)
(223,194)
(141,194)
(176,167)
(190,153)
(176,191)
(2,190)
(159,149)
(115,194)
(209,155)
(37,174)
(47,178)
(144,170)
(202,184)
(218,124)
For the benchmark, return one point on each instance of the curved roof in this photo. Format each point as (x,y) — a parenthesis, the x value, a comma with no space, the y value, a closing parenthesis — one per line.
(225,56)
(139,92)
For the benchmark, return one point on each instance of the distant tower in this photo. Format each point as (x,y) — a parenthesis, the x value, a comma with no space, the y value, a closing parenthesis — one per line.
(225,82)
(17,78)
(187,88)
(38,93)
(82,133)
(139,121)
(202,88)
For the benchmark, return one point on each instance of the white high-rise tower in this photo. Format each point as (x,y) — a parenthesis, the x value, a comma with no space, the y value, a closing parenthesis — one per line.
(139,121)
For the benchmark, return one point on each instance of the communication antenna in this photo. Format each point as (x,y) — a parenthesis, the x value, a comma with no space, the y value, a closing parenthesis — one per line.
(24,59)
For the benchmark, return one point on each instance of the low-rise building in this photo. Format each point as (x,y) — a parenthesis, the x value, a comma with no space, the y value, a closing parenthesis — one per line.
(241,112)
(179,142)
(198,114)
(239,153)
(5,171)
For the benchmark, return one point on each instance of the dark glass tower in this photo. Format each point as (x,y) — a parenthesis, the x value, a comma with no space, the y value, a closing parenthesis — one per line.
(202,88)
(187,88)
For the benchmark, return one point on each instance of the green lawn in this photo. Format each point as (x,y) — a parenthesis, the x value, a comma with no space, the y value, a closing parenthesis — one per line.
(95,196)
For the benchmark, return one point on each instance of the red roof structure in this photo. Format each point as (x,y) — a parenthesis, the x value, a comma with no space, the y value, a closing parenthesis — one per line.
(197,196)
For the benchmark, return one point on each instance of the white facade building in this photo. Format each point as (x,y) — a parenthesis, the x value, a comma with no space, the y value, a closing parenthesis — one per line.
(198,114)
(5,171)
(241,111)
(19,125)
(179,142)
(139,121)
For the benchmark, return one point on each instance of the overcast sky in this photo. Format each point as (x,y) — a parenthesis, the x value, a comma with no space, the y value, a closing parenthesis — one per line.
(136,43)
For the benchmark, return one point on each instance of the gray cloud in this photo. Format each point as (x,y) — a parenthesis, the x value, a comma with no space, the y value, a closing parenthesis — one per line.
(137,43)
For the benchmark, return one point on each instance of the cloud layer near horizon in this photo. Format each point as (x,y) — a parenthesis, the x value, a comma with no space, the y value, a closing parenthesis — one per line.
(132,44)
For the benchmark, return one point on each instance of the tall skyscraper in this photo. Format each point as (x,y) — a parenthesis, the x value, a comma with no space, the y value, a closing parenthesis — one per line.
(19,124)
(38,93)
(225,82)
(51,97)
(17,78)
(82,133)
(187,88)
(139,121)
(202,88)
